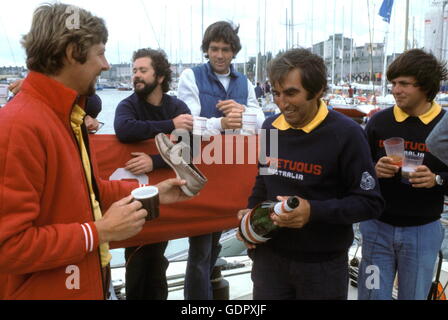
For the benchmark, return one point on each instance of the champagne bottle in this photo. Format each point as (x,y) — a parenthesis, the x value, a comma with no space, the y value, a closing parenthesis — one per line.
(256,224)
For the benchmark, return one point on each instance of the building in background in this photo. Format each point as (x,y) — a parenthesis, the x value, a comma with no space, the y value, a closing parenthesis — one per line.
(366,60)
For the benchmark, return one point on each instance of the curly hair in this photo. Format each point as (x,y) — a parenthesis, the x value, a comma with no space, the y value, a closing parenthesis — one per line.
(50,35)
(312,69)
(159,63)
(424,67)
(222,31)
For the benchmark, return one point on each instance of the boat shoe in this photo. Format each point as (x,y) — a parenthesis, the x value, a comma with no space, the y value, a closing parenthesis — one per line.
(172,154)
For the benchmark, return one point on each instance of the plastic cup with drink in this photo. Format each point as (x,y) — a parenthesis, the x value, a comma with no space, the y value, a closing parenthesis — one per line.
(410,163)
(395,150)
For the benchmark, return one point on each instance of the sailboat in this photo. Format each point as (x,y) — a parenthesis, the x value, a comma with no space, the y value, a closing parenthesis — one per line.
(356,107)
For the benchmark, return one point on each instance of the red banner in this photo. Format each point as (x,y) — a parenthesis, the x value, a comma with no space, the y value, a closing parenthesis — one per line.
(230,175)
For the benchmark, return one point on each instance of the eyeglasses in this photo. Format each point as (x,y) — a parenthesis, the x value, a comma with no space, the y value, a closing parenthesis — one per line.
(100,125)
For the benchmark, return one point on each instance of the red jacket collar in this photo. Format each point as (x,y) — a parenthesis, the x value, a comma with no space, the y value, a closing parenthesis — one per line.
(51,92)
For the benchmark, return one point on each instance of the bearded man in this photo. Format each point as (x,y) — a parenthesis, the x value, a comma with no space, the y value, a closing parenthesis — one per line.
(146,113)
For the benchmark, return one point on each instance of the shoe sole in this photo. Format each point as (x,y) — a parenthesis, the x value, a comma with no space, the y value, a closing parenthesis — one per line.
(184,188)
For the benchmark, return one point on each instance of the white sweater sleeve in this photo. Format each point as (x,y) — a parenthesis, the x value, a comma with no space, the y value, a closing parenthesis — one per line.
(253,106)
(188,92)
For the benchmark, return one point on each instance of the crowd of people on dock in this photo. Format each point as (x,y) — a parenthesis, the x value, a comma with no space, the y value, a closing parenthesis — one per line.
(58,217)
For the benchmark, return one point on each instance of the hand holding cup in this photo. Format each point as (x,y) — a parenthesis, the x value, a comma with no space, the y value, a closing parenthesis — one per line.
(149,197)
(395,149)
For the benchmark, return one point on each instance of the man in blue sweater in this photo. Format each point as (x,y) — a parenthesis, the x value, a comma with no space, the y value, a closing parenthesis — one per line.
(407,236)
(141,116)
(93,109)
(323,157)
(217,92)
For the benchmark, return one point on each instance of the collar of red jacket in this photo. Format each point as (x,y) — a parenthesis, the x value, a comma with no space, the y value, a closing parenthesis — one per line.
(53,93)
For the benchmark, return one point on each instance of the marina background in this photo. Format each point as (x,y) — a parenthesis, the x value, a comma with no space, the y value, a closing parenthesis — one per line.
(265,25)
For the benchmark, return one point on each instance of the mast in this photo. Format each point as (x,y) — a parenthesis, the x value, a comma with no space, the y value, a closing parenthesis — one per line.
(202,25)
(406,27)
(119,62)
(150,23)
(264,39)
(287,47)
(265,58)
(351,42)
(370,47)
(334,44)
(9,43)
(342,45)
(413,32)
(383,76)
(312,26)
(443,40)
(386,13)
(292,24)
(245,59)
(164,31)
(257,60)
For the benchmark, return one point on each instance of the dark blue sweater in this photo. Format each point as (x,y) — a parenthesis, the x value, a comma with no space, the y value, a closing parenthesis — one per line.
(137,120)
(405,205)
(331,168)
(93,106)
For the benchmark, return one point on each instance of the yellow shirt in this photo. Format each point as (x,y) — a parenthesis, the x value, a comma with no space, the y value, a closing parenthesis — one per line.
(77,118)
(281,124)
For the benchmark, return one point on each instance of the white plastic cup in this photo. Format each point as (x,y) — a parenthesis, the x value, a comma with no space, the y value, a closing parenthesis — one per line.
(249,123)
(199,126)
(410,163)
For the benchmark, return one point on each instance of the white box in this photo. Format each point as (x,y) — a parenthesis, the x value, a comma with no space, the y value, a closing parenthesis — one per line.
(3,94)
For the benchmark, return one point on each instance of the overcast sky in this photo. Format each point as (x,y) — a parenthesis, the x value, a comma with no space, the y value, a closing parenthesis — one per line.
(176,25)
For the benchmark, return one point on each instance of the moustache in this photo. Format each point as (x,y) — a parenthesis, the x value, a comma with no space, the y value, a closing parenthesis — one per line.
(139,81)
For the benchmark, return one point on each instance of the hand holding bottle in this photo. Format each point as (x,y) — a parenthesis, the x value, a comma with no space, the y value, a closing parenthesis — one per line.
(240,215)
(296,218)
(256,225)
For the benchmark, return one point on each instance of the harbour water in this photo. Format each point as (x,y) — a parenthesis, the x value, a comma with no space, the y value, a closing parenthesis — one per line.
(110,98)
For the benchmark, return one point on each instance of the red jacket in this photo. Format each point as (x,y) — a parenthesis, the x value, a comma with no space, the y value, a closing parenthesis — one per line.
(48,242)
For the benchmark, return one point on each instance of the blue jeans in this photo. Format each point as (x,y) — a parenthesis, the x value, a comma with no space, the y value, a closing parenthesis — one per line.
(202,255)
(278,277)
(409,251)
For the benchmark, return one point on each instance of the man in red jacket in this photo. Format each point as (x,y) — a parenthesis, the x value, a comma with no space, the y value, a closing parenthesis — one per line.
(57,217)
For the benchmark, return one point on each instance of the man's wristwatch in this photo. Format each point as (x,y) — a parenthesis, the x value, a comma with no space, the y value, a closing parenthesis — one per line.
(439,180)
